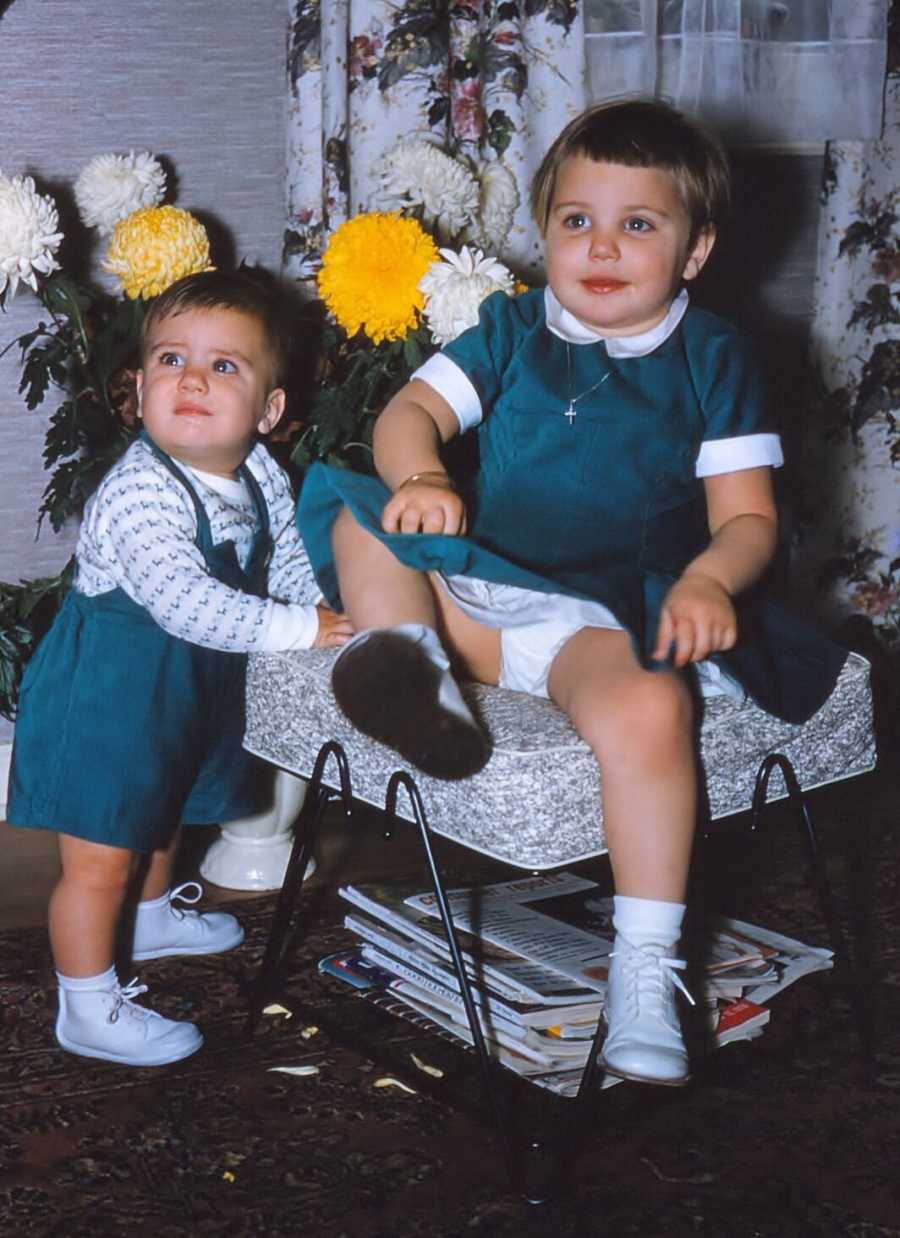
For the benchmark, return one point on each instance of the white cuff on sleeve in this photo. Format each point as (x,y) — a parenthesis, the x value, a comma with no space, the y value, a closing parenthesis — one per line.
(291,626)
(730,455)
(449,381)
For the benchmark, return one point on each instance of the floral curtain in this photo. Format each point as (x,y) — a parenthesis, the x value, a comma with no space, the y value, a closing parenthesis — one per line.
(492,83)
(760,70)
(849,551)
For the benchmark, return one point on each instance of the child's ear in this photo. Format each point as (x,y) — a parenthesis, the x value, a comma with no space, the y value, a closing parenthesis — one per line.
(139,387)
(275,402)
(698,255)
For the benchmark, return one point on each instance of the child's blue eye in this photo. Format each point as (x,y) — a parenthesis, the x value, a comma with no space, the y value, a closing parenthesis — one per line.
(169,358)
(636,224)
(576,222)
(222,366)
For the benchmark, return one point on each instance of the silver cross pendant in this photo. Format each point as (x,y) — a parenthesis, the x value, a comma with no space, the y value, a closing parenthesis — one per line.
(571,413)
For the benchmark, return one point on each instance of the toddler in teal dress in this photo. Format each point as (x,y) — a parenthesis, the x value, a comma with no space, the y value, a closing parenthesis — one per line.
(615,533)
(131,713)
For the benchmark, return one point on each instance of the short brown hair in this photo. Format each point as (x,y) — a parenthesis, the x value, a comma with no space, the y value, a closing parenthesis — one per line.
(250,290)
(643,133)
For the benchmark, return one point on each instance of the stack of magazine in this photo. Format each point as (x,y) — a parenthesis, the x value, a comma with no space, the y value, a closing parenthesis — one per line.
(536,951)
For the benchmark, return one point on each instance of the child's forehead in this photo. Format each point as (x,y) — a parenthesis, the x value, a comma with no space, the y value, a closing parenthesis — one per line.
(581,164)
(579,173)
(223,323)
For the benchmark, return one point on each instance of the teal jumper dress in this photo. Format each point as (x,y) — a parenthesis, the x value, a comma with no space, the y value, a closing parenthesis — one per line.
(606,506)
(124,731)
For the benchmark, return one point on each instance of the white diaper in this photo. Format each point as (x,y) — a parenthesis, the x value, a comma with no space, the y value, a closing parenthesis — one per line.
(534,627)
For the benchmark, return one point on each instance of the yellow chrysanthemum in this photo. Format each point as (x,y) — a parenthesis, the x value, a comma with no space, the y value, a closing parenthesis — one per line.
(371,271)
(152,247)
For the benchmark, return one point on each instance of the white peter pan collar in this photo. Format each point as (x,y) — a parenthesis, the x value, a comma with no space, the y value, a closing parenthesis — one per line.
(568,328)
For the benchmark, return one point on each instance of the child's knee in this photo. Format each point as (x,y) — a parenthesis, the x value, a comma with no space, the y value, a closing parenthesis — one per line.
(650,711)
(96,866)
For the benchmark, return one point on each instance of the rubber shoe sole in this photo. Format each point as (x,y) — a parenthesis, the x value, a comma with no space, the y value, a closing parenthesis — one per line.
(174,1053)
(389,689)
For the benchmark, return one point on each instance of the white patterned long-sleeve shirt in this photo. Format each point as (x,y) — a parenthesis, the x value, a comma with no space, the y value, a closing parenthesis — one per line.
(138,534)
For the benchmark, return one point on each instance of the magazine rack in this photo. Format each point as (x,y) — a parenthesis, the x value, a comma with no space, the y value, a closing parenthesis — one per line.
(535,805)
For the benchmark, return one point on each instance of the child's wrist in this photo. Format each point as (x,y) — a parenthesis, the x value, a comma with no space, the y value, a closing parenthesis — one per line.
(443,478)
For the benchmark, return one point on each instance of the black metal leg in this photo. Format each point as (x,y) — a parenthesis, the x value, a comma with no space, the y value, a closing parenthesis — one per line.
(827,903)
(535,1167)
(306,830)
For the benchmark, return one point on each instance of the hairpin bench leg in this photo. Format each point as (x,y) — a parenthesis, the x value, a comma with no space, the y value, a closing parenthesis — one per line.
(536,1168)
(306,830)
(827,903)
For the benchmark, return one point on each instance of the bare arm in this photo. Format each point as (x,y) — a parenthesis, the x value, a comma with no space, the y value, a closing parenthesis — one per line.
(407,440)
(698,617)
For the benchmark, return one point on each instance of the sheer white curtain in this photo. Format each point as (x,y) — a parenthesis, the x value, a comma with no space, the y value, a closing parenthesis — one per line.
(759,70)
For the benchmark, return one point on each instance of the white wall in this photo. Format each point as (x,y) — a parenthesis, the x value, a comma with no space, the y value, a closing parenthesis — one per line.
(200,82)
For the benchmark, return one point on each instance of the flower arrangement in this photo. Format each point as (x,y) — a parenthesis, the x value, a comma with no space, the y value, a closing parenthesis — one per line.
(87,346)
(396,289)
(393,286)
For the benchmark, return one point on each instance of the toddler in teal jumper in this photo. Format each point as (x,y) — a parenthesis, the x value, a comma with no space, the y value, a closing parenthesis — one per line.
(131,714)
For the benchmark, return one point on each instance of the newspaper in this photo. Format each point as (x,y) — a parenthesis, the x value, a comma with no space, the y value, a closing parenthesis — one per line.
(562,922)
(504,968)
(405,957)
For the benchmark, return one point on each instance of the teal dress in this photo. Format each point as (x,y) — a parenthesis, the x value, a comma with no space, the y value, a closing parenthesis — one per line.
(605,505)
(124,731)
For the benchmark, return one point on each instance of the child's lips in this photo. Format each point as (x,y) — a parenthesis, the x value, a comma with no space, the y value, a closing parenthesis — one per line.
(603,285)
(191,410)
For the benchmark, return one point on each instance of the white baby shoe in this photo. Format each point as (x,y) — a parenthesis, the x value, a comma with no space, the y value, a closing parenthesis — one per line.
(643,1039)
(105,1023)
(161,929)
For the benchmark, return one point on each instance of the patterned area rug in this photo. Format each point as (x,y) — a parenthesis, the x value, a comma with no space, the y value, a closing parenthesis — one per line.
(787,1136)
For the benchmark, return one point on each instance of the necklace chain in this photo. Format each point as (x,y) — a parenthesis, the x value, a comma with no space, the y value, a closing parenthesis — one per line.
(571,412)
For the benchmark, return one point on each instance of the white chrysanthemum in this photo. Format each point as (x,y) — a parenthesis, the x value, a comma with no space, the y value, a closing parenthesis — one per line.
(28,233)
(455,287)
(499,201)
(415,172)
(110,187)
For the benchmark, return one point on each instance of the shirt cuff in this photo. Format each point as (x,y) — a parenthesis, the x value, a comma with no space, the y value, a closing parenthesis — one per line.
(449,381)
(291,626)
(730,455)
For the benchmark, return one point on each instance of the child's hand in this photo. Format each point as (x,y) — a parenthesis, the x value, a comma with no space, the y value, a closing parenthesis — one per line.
(334,629)
(697,619)
(424,507)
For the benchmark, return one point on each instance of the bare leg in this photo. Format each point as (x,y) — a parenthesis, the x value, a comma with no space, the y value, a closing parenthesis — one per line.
(157,876)
(639,726)
(394,680)
(378,591)
(86,904)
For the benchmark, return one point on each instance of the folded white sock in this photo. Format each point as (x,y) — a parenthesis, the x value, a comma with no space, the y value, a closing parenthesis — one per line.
(644,920)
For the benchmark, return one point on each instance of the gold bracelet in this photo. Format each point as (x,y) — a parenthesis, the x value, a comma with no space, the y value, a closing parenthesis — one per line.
(428,473)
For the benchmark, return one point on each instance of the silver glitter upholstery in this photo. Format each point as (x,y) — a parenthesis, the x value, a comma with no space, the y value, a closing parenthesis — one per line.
(536,804)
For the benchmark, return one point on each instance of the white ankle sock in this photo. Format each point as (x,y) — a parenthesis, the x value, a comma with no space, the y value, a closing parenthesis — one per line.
(645,920)
(88,984)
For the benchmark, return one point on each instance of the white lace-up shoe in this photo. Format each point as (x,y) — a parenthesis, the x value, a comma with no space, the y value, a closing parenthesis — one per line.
(161,929)
(643,1039)
(107,1024)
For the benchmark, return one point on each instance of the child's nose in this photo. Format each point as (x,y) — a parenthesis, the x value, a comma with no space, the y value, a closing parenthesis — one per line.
(603,244)
(193,378)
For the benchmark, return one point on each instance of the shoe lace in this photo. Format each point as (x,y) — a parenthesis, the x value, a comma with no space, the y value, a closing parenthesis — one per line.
(179,893)
(122,995)
(649,971)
